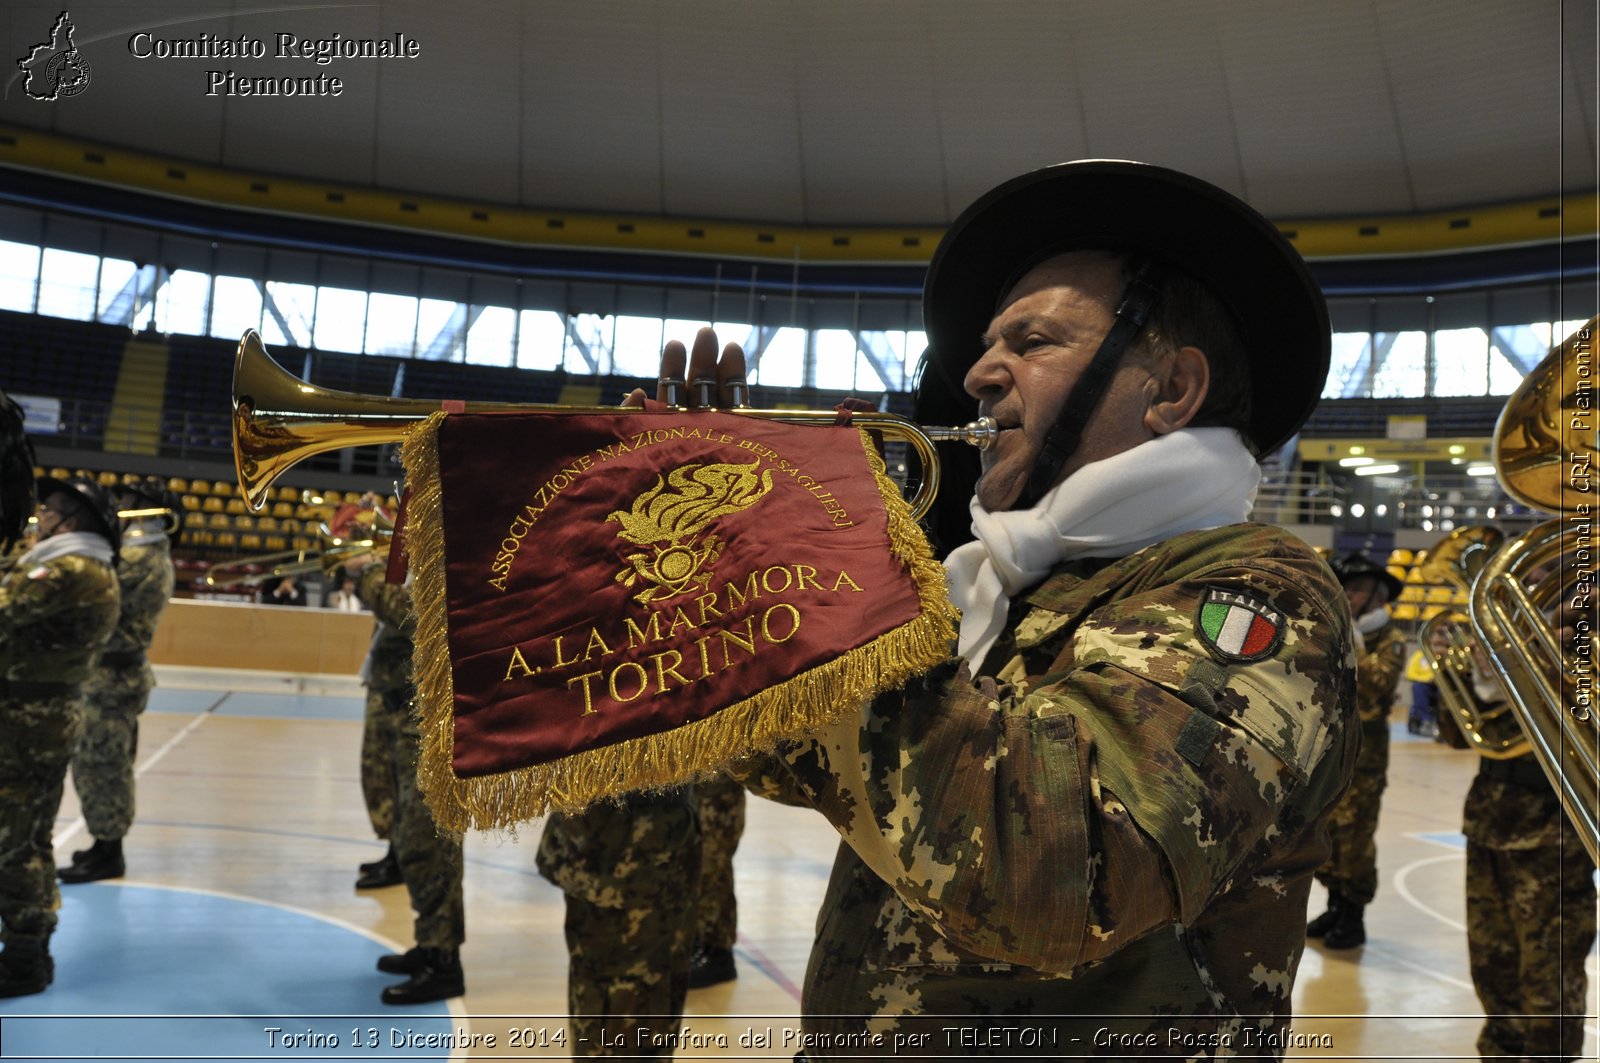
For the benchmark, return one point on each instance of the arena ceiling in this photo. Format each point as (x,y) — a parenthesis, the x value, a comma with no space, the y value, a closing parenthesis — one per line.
(844,112)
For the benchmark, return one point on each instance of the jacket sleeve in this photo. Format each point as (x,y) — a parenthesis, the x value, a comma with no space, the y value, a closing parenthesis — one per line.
(1119,794)
(389,602)
(1378,674)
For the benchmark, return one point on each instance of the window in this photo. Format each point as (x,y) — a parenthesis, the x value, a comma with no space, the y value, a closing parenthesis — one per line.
(638,347)
(235,307)
(439,324)
(341,323)
(541,339)
(1400,374)
(19,274)
(181,303)
(67,283)
(491,338)
(287,314)
(1461,362)
(782,363)
(391,324)
(1347,371)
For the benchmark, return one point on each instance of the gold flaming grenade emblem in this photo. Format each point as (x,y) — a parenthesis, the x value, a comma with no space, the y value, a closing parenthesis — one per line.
(669,519)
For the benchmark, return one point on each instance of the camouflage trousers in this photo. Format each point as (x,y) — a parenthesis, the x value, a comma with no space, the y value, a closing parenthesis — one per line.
(377,778)
(36,742)
(630,871)
(430,861)
(102,762)
(1530,924)
(1351,869)
(721,805)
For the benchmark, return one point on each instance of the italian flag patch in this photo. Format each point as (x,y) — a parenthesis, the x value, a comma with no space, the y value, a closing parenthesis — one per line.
(1236,627)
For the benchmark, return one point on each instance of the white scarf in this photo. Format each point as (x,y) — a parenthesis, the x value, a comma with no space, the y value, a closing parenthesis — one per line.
(89,544)
(151,531)
(1187,480)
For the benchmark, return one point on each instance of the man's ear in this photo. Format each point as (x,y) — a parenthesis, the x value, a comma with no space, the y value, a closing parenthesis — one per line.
(1182,383)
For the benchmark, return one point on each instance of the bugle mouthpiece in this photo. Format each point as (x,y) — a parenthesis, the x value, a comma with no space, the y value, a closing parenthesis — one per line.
(980,433)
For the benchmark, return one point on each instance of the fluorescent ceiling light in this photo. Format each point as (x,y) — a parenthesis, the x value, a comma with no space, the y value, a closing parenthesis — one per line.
(1376,470)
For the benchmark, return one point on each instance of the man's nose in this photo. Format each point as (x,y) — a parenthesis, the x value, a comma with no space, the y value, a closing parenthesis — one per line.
(988,377)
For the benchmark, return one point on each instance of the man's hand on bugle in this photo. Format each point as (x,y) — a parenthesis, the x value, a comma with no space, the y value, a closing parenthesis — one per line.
(721,378)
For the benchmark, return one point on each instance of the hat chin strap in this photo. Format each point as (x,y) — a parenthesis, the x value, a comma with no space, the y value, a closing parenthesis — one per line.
(1138,302)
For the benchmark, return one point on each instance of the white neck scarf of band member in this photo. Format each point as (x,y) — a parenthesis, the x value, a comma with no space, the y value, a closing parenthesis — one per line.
(148,531)
(89,544)
(1187,480)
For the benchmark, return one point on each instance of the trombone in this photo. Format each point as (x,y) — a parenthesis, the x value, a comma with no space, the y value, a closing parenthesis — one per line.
(334,551)
(279,420)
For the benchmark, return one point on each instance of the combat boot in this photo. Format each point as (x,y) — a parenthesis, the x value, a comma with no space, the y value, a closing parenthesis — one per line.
(101,860)
(1321,924)
(407,962)
(710,965)
(26,966)
(438,978)
(1348,930)
(380,873)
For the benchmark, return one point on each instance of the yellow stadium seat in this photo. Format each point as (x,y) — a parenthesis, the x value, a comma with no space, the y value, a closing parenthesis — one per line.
(1439,594)
(1405,612)
(177,485)
(236,505)
(1411,594)
(217,520)
(212,504)
(1400,556)
(200,487)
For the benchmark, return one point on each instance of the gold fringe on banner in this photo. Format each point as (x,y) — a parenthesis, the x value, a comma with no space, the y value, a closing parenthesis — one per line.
(805,703)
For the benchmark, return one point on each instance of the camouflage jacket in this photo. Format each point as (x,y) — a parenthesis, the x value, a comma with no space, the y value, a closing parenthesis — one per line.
(54,618)
(390,665)
(146,579)
(1115,831)
(1378,669)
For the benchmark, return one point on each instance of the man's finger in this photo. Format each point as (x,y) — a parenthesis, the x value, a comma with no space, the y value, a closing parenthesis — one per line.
(703,367)
(673,358)
(731,383)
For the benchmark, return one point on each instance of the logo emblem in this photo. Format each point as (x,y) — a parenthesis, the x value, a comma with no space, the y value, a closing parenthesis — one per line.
(1237,627)
(55,69)
(669,519)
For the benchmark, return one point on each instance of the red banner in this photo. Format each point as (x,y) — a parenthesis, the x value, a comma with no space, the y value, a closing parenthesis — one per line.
(609,602)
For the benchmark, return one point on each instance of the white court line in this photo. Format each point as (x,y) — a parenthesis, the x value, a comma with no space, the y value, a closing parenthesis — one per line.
(66,833)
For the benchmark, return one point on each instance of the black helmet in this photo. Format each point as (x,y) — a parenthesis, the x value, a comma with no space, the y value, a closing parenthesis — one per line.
(1353,566)
(99,503)
(1160,214)
(17,499)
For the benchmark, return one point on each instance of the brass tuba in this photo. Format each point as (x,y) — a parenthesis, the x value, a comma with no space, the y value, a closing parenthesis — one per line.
(1544,454)
(279,420)
(1447,643)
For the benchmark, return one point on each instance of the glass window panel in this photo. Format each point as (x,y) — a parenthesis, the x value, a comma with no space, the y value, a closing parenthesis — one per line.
(67,281)
(638,350)
(439,329)
(836,354)
(286,316)
(489,340)
(1460,361)
(1347,370)
(867,378)
(181,303)
(391,324)
(589,346)
(1401,375)
(341,319)
(1504,378)
(116,291)
(541,339)
(782,363)
(19,275)
(235,307)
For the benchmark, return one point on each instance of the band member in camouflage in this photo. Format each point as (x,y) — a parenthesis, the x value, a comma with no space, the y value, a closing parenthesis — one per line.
(1096,830)
(1351,871)
(58,606)
(118,691)
(430,860)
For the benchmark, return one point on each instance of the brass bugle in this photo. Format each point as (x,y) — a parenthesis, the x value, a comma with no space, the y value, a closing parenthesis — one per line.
(279,420)
(273,566)
(166,513)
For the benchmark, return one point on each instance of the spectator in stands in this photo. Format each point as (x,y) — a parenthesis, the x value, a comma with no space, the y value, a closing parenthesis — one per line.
(287,591)
(344,597)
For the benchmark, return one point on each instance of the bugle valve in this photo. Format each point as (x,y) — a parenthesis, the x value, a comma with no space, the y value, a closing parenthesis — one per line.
(279,420)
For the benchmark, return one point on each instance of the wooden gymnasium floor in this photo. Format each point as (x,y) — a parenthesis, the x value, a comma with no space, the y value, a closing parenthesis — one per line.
(238,915)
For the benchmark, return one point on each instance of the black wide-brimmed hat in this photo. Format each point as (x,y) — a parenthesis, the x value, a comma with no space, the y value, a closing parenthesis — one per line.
(1162,214)
(1355,565)
(96,500)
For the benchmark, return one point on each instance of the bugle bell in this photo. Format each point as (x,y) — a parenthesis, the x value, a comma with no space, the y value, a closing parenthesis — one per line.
(279,420)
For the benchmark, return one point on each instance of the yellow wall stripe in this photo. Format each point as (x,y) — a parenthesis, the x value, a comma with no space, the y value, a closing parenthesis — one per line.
(1527,222)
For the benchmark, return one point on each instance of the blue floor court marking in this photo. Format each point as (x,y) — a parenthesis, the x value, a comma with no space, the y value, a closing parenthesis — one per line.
(164,973)
(293,706)
(184,701)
